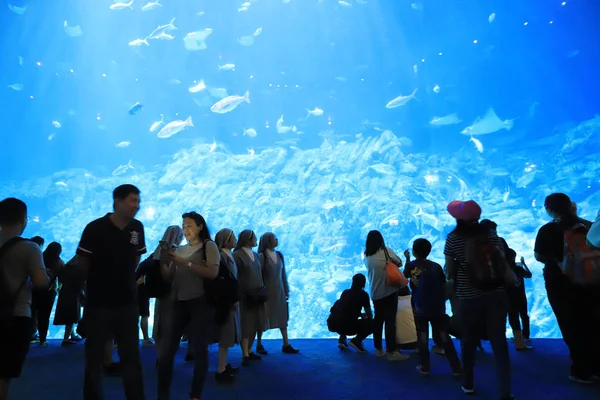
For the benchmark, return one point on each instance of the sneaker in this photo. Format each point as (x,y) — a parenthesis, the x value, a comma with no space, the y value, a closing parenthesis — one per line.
(438,350)
(224,377)
(380,352)
(584,380)
(260,349)
(342,345)
(467,390)
(68,343)
(232,370)
(358,346)
(289,349)
(397,356)
(254,357)
(76,338)
(422,371)
(148,342)
(43,344)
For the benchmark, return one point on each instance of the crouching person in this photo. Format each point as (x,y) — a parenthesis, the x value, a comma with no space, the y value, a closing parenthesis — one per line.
(346,316)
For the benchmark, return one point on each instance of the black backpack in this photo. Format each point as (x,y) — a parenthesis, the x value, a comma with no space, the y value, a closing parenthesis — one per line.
(156,285)
(8,300)
(223,291)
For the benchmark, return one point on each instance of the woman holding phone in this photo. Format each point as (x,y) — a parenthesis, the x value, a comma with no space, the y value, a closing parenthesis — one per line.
(186,268)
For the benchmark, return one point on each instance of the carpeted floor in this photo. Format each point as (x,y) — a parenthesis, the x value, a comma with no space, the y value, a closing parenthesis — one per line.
(320,371)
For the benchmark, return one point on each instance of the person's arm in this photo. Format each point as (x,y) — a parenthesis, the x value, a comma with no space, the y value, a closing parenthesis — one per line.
(367,306)
(286,285)
(450,262)
(394,258)
(141,247)
(527,274)
(86,248)
(36,269)
(442,274)
(210,269)
(407,256)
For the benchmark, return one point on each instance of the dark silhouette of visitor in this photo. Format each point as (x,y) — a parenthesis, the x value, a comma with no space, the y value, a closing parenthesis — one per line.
(21,263)
(110,250)
(346,316)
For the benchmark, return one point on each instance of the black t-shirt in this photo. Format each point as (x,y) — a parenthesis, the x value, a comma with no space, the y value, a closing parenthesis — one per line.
(352,303)
(113,255)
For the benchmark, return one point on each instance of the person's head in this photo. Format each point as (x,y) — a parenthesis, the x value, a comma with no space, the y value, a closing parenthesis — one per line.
(13,215)
(467,214)
(574,208)
(247,239)
(38,240)
(268,241)
(489,225)
(374,243)
(126,201)
(359,281)
(421,248)
(225,239)
(558,205)
(194,228)
(52,253)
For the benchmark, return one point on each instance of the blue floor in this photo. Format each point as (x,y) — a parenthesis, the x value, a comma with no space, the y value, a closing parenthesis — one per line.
(320,371)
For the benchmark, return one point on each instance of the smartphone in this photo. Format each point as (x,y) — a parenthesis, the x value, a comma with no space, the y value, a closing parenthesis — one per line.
(164,247)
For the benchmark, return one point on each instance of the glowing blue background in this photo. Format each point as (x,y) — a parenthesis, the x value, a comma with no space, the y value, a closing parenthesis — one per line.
(315,190)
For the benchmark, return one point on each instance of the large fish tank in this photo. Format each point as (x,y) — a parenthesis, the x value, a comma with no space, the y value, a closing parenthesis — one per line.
(318,120)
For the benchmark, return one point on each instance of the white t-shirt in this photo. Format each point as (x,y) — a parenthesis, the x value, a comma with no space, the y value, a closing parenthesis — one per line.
(377,276)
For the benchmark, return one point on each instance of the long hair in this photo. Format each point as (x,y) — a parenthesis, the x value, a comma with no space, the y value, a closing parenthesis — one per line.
(244,238)
(173,236)
(267,241)
(199,220)
(560,205)
(52,254)
(223,237)
(469,228)
(374,243)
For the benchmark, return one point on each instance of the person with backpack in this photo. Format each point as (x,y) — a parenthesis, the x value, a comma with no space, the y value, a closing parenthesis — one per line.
(276,282)
(593,236)
(151,284)
(21,267)
(188,267)
(572,284)
(475,261)
(346,317)
(428,281)
(230,332)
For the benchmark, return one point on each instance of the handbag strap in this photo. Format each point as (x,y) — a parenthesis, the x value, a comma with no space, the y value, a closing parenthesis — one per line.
(387,255)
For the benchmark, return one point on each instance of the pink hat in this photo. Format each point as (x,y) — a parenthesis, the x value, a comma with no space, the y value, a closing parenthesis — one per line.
(466,210)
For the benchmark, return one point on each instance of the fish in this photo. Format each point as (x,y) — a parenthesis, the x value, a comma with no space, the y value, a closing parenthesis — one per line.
(317,112)
(492,17)
(51,136)
(218,93)
(226,67)
(174,127)
(136,108)
(121,169)
(257,32)
(246,40)
(162,29)
(282,129)
(56,124)
(250,132)
(72,31)
(477,143)
(401,100)
(490,123)
(332,204)
(17,10)
(122,145)
(415,68)
(344,3)
(242,9)
(60,183)
(121,6)
(195,41)
(200,86)
(164,36)
(230,103)
(16,87)
(384,169)
(449,119)
(139,42)
(20,61)
(213,146)
(151,5)
(436,89)
(156,124)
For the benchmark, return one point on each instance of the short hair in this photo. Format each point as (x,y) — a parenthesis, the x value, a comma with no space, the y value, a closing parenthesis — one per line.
(559,203)
(38,240)
(12,211)
(359,281)
(121,192)
(488,224)
(421,248)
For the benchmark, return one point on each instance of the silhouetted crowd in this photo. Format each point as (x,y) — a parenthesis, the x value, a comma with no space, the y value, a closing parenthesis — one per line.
(222,291)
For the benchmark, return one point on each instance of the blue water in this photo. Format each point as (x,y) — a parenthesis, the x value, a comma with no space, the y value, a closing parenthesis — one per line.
(322,182)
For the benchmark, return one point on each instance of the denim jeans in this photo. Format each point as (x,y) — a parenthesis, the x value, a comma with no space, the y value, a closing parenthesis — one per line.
(102,325)
(488,312)
(197,316)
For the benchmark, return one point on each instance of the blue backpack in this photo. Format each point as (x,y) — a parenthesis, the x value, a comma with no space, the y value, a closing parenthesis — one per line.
(430,292)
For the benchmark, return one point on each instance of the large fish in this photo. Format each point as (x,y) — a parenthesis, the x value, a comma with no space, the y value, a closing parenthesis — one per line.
(401,100)
(230,103)
(490,123)
(174,127)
